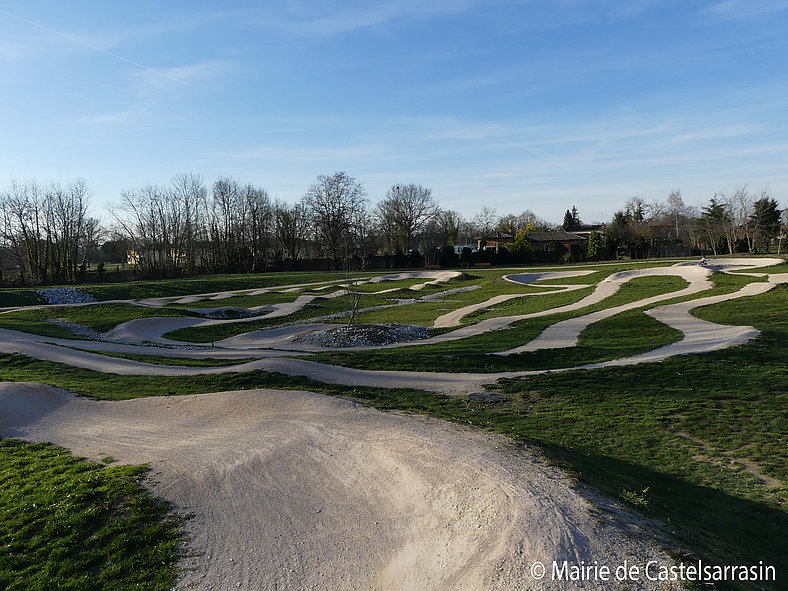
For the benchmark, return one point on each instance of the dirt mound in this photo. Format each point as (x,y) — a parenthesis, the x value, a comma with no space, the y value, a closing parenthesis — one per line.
(464,277)
(294,490)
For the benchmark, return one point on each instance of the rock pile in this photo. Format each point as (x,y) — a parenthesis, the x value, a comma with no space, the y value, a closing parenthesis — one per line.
(368,335)
(65,295)
(227,313)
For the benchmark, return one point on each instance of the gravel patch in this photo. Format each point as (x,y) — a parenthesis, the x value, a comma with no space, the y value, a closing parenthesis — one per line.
(365,335)
(65,295)
(489,397)
(78,329)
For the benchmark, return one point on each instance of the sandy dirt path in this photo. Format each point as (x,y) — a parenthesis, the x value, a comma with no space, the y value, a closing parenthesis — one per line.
(294,490)
(567,332)
(699,336)
(454,317)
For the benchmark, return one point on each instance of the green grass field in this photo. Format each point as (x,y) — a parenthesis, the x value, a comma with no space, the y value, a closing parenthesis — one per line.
(67,523)
(174,361)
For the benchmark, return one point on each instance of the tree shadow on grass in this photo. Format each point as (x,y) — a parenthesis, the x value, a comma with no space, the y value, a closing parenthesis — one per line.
(705,522)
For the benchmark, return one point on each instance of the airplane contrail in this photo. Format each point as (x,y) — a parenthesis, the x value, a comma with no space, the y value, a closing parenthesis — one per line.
(99,49)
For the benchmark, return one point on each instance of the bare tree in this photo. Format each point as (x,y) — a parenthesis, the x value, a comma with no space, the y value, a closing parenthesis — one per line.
(226,199)
(190,194)
(675,209)
(508,223)
(333,204)
(449,226)
(242,225)
(529,219)
(178,228)
(405,212)
(484,221)
(740,205)
(362,241)
(139,220)
(259,227)
(92,236)
(47,227)
(292,225)
(25,217)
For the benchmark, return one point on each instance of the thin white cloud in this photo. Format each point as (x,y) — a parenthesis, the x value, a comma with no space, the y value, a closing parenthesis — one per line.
(744,9)
(334,18)
(82,42)
(188,74)
(11,52)
(118,118)
(148,95)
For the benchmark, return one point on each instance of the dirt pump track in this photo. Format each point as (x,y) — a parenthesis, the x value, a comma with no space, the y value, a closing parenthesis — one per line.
(296,490)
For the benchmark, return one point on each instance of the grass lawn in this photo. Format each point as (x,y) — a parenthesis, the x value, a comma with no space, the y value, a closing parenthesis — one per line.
(134,290)
(100,317)
(19,297)
(176,361)
(619,430)
(67,523)
(278,297)
(783,268)
(615,429)
(389,284)
(424,313)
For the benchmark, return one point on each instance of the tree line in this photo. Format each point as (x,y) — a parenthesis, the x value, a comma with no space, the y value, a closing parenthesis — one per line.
(738,222)
(48,234)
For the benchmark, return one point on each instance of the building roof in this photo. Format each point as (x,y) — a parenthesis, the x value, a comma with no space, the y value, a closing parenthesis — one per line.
(553,236)
(588,228)
(497,235)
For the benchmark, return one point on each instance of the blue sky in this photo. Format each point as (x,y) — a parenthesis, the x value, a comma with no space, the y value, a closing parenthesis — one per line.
(506,104)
